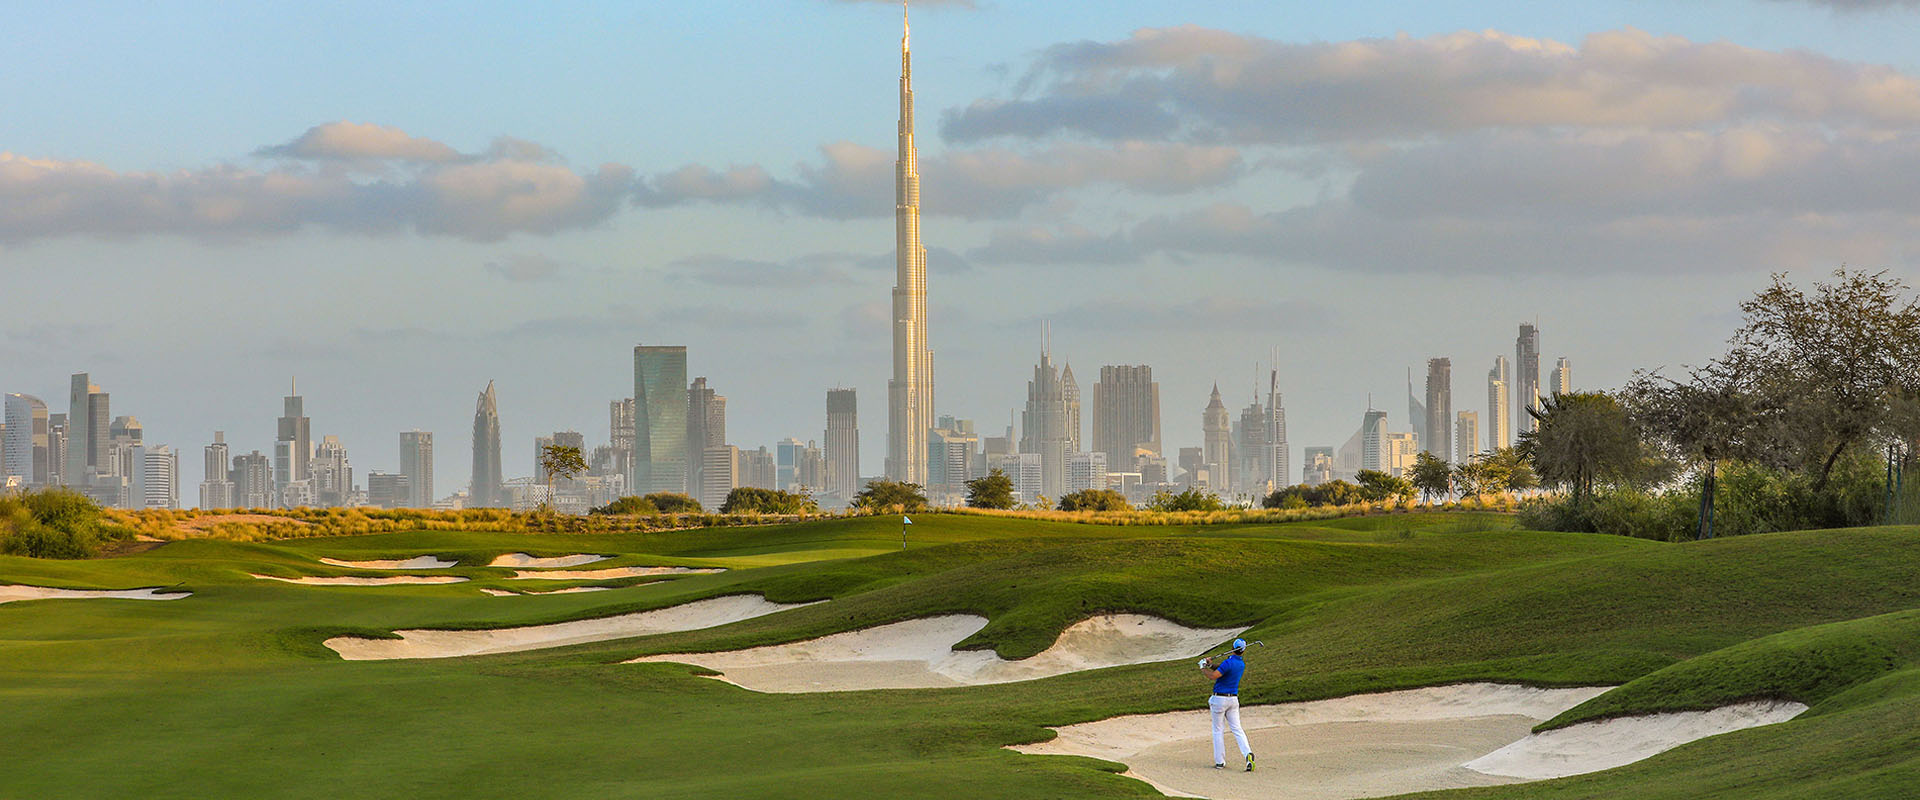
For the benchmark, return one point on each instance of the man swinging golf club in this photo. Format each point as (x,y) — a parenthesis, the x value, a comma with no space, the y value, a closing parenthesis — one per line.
(1225,703)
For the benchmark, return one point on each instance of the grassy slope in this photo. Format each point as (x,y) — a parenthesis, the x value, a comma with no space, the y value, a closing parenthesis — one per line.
(237,693)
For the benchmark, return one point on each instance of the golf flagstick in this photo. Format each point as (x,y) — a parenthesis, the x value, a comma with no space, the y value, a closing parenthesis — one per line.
(904,522)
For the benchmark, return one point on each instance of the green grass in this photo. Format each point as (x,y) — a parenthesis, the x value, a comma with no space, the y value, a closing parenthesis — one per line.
(229,694)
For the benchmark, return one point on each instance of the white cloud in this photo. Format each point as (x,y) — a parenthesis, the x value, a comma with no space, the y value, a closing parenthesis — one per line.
(346,141)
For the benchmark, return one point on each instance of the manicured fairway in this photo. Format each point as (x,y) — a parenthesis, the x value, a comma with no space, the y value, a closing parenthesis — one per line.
(229,692)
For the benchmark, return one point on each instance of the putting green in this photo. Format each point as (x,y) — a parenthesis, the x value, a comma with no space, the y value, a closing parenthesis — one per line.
(230,692)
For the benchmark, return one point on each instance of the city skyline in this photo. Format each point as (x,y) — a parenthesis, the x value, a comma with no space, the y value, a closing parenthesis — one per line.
(773,273)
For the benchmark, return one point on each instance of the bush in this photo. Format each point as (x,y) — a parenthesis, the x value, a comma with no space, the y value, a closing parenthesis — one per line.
(54,524)
(1095,500)
(883,495)
(628,505)
(1331,493)
(674,503)
(751,500)
(1189,500)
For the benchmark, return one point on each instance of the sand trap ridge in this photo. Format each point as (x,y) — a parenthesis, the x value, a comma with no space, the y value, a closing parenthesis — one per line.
(1594,746)
(1373,745)
(608,574)
(568,590)
(448,644)
(535,562)
(312,580)
(919,654)
(418,562)
(12,592)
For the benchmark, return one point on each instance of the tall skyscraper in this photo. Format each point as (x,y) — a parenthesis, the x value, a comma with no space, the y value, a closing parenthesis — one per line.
(660,446)
(1275,466)
(253,480)
(485,489)
(1526,383)
(293,447)
(719,475)
(1126,414)
(1439,440)
(952,447)
(843,444)
(28,452)
(1416,411)
(331,473)
(1374,453)
(87,438)
(416,462)
(1317,466)
(217,490)
(1070,395)
(1561,380)
(389,490)
(1216,440)
(56,449)
(787,454)
(1043,426)
(620,436)
(160,478)
(910,393)
(706,426)
(1466,435)
(1499,406)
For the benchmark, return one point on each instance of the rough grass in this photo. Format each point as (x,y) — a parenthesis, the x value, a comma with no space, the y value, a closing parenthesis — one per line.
(229,693)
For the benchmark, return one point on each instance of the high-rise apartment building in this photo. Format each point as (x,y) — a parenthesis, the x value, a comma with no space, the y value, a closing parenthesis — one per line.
(56,448)
(706,424)
(910,392)
(1126,413)
(1276,465)
(660,446)
(28,451)
(1399,451)
(1439,439)
(416,462)
(1561,379)
(951,449)
(810,470)
(1374,451)
(1070,398)
(160,478)
(1466,433)
(1216,443)
(330,473)
(1499,406)
(1087,471)
(389,490)
(253,480)
(843,444)
(1417,415)
(620,436)
(1043,425)
(719,475)
(486,487)
(216,491)
(786,463)
(1526,381)
(293,446)
(754,469)
(1318,467)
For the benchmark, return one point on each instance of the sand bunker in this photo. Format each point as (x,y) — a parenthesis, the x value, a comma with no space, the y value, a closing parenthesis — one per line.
(919,654)
(418,562)
(608,574)
(1372,745)
(448,644)
(11,593)
(311,580)
(524,560)
(1594,746)
(569,590)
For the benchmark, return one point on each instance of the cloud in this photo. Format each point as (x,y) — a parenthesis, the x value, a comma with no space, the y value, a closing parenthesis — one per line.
(347,141)
(807,272)
(523,268)
(1069,244)
(1208,313)
(853,181)
(513,188)
(1197,84)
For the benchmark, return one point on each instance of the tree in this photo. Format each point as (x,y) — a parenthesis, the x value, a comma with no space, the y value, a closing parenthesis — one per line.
(1189,500)
(674,503)
(1377,486)
(1431,475)
(1473,477)
(995,490)
(754,500)
(1509,471)
(1580,440)
(560,461)
(1095,500)
(886,494)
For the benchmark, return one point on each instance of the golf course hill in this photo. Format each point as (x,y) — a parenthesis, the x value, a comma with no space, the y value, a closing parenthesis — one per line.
(1446,655)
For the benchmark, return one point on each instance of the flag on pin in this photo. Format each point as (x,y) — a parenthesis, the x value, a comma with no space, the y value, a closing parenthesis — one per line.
(906,520)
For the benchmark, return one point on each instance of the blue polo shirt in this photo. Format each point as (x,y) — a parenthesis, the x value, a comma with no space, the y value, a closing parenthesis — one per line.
(1229,680)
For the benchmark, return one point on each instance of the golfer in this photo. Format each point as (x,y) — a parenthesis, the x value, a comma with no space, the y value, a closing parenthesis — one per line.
(1225,703)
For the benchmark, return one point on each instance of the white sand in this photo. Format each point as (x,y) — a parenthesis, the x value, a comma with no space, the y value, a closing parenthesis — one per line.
(568,590)
(608,574)
(1594,746)
(1389,743)
(919,654)
(420,562)
(449,644)
(12,592)
(311,580)
(524,560)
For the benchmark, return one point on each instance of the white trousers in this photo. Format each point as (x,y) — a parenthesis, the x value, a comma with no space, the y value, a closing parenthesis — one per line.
(1227,710)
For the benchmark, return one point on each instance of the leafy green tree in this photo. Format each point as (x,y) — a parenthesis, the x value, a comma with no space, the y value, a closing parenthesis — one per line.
(1377,486)
(561,462)
(885,494)
(994,490)
(1189,500)
(1431,475)
(1473,477)
(628,505)
(1509,471)
(755,500)
(674,503)
(1095,500)
(1583,439)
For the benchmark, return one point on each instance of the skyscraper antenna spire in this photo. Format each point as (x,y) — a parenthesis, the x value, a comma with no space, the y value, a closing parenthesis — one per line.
(906,27)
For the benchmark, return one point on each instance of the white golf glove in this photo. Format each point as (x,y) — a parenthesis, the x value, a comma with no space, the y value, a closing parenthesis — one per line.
(1203,663)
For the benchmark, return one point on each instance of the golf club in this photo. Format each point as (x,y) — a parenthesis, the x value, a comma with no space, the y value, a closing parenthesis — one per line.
(1212,659)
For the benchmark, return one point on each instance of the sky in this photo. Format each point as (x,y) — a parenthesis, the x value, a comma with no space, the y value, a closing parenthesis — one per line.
(396,203)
